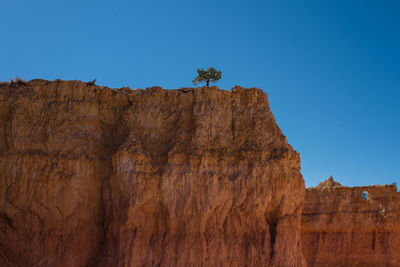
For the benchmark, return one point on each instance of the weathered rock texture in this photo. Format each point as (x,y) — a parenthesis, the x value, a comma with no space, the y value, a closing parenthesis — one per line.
(340,228)
(91,176)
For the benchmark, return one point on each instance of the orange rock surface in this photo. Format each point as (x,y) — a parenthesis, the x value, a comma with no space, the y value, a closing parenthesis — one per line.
(341,228)
(91,176)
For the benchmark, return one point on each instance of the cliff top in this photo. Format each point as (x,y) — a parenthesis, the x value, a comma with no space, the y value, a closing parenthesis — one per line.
(330,184)
(194,118)
(74,84)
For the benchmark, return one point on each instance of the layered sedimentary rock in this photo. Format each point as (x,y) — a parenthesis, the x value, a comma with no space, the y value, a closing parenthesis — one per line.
(91,176)
(351,226)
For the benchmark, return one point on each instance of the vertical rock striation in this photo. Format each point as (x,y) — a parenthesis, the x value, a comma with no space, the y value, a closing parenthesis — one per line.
(91,176)
(55,142)
(340,227)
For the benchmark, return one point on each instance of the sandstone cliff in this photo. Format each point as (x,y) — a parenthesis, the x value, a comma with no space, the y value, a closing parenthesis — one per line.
(91,176)
(341,228)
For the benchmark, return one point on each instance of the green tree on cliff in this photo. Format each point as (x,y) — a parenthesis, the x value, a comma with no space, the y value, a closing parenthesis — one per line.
(207,76)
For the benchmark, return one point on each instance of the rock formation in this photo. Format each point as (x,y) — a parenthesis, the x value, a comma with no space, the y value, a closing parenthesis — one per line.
(91,176)
(351,226)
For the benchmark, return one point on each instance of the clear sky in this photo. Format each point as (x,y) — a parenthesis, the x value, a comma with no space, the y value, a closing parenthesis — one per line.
(331,68)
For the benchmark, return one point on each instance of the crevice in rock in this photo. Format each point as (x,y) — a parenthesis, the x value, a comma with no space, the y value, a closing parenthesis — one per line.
(113,137)
(273,223)
(6,221)
(373,240)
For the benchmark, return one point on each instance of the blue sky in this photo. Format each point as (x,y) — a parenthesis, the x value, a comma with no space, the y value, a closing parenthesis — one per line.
(331,68)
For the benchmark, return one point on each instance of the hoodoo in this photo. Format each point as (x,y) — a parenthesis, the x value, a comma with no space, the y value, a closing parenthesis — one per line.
(91,176)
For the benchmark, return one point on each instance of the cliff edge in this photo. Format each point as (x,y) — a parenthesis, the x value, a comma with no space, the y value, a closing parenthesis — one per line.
(92,176)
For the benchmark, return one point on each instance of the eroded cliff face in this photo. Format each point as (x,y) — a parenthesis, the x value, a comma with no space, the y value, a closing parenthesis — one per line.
(91,176)
(341,228)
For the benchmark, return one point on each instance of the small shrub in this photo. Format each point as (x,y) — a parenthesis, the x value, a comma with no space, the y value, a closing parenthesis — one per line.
(91,83)
(207,76)
(17,82)
(395,184)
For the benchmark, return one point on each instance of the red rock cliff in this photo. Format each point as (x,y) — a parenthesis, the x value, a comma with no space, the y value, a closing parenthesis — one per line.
(91,176)
(341,228)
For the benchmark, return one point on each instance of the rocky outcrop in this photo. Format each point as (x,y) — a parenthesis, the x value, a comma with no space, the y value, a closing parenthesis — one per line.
(351,226)
(91,176)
